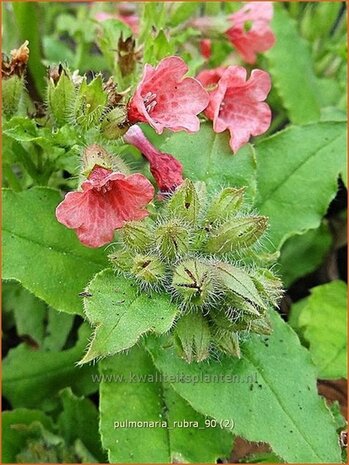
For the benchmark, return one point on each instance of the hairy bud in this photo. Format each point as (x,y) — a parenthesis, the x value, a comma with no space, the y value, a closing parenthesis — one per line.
(96,155)
(178,252)
(136,236)
(60,94)
(172,240)
(193,337)
(237,233)
(185,203)
(90,103)
(148,269)
(13,70)
(193,282)
(225,204)
(114,124)
(268,285)
(122,260)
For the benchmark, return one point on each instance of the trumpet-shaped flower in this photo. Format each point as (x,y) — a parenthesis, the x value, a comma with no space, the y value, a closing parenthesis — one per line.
(166,99)
(105,202)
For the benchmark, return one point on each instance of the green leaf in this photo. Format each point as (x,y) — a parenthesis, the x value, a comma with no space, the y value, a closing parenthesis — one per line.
(58,328)
(31,377)
(79,420)
(132,390)
(43,255)
(31,315)
(273,399)
(290,69)
(29,311)
(14,439)
(297,174)
(322,321)
(302,254)
(207,156)
(121,315)
(205,443)
(159,47)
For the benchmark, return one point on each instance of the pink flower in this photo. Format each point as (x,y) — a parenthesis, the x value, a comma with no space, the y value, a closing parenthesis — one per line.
(167,171)
(166,99)
(237,104)
(250,32)
(106,201)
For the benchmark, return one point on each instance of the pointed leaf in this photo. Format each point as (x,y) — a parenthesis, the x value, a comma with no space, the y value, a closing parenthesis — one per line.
(322,321)
(121,314)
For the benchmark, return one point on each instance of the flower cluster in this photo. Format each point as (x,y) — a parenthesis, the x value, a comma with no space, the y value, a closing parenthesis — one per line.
(205,255)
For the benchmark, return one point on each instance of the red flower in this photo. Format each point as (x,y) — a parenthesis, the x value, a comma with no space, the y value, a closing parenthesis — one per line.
(250,32)
(206,48)
(165,99)
(106,201)
(237,104)
(166,170)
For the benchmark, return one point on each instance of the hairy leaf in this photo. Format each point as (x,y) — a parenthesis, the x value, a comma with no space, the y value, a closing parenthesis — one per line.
(79,420)
(321,319)
(121,314)
(132,390)
(273,399)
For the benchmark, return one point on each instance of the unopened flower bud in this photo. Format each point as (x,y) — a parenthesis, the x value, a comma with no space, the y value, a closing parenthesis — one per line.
(148,269)
(185,203)
(12,91)
(261,326)
(136,235)
(95,155)
(172,240)
(240,304)
(90,103)
(193,337)
(122,260)
(268,285)
(60,94)
(225,204)
(236,280)
(12,73)
(114,124)
(237,233)
(225,333)
(193,283)
(167,171)
(229,344)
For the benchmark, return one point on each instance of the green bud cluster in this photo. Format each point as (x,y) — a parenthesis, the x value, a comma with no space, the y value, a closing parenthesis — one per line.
(207,254)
